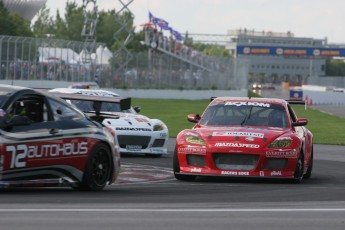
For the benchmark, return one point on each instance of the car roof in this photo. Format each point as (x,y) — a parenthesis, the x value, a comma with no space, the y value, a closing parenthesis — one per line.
(10,89)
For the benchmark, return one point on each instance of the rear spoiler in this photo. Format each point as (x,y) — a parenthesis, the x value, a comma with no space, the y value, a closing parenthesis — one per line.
(125,103)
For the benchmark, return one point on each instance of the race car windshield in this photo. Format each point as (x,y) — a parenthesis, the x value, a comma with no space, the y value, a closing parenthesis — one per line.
(227,114)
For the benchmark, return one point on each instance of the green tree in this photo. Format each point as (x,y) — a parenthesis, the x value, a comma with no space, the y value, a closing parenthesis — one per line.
(12,24)
(59,26)
(20,25)
(106,27)
(187,40)
(335,67)
(43,25)
(74,20)
(6,27)
(136,44)
(208,49)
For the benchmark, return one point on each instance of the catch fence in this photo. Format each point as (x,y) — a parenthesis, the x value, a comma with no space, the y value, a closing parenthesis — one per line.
(48,59)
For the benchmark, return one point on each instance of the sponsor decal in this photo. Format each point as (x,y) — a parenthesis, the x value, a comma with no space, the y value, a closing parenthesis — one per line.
(163,135)
(141,119)
(234,173)
(134,147)
(295,52)
(279,51)
(276,173)
(249,138)
(133,129)
(282,154)
(156,150)
(192,150)
(239,134)
(248,103)
(262,173)
(196,170)
(246,50)
(21,153)
(237,145)
(316,52)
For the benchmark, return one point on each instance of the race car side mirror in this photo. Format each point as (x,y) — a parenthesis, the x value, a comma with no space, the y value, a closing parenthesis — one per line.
(195,118)
(300,122)
(137,109)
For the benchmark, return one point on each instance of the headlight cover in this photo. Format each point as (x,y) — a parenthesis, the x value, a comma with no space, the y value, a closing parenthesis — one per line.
(158,127)
(280,143)
(195,140)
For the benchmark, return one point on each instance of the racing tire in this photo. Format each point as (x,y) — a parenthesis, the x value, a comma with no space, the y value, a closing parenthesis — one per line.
(310,167)
(298,176)
(176,167)
(98,169)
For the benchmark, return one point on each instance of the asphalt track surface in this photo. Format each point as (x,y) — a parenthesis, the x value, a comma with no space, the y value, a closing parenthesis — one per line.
(147,196)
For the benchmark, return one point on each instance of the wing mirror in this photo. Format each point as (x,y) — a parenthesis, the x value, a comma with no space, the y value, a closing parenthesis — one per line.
(137,109)
(195,118)
(300,122)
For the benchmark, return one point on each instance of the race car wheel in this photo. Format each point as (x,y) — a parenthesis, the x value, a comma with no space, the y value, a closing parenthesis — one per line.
(98,169)
(310,167)
(298,176)
(176,167)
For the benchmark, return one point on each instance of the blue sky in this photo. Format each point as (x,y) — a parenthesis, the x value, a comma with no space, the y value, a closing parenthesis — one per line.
(304,18)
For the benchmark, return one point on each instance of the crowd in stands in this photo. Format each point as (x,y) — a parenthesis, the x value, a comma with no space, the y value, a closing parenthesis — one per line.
(59,71)
(178,48)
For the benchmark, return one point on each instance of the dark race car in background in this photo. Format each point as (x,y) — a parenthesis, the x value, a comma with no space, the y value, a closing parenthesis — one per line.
(44,141)
(245,137)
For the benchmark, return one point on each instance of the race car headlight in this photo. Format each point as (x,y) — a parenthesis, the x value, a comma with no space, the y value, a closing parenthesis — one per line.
(280,143)
(158,127)
(194,140)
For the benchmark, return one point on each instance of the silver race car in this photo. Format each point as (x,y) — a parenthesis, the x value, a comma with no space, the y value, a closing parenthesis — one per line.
(134,133)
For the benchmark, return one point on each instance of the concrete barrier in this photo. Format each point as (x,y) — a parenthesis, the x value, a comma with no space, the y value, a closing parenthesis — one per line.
(138,93)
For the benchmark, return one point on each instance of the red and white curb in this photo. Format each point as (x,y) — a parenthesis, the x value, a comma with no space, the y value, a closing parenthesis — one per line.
(137,173)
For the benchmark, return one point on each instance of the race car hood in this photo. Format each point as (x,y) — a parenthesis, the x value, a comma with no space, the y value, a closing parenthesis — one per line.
(241,135)
(130,122)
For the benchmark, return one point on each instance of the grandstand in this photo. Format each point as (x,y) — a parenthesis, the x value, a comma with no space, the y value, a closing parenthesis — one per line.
(24,8)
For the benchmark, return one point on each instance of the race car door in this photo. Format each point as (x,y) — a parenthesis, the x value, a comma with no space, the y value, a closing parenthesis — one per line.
(28,132)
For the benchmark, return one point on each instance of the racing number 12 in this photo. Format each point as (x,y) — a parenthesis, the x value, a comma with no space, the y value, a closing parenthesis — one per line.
(17,157)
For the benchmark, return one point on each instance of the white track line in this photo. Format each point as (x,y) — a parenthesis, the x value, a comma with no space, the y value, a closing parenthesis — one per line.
(177,210)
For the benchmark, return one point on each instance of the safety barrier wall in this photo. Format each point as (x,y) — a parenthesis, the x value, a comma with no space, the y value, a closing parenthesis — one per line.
(324,98)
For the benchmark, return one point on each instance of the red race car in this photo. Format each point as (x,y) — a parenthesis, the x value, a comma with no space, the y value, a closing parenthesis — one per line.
(245,137)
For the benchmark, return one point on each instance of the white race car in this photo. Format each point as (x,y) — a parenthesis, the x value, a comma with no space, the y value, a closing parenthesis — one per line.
(135,133)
